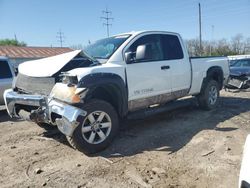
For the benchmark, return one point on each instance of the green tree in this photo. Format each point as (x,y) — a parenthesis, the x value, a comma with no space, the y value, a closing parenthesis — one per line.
(11,42)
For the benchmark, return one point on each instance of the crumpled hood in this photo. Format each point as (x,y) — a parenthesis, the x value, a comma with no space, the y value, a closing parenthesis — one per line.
(240,71)
(46,67)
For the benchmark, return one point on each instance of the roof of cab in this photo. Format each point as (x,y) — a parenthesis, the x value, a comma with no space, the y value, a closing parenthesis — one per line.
(145,31)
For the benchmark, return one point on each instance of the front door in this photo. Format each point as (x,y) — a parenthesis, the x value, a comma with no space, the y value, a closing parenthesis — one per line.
(148,80)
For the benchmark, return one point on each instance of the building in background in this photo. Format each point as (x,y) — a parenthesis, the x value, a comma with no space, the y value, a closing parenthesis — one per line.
(19,55)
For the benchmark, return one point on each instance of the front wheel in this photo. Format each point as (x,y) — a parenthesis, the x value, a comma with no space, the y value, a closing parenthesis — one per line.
(208,98)
(98,128)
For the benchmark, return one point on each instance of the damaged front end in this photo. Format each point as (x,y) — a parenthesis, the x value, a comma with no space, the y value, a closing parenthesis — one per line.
(239,77)
(60,107)
(51,95)
(46,109)
(56,109)
(238,82)
(62,104)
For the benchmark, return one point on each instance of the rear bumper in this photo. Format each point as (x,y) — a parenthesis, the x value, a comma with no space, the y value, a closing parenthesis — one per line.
(65,116)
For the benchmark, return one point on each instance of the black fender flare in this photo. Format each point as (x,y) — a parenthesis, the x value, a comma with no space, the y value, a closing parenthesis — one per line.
(216,73)
(108,80)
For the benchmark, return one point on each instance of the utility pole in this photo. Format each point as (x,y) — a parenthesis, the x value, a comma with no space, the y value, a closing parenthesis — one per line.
(60,37)
(200,29)
(15,37)
(212,38)
(107,19)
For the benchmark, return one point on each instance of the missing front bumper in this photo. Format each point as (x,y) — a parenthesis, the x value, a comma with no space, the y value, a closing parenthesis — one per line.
(65,116)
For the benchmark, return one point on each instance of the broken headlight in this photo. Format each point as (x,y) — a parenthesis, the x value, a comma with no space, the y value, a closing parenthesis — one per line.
(68,93)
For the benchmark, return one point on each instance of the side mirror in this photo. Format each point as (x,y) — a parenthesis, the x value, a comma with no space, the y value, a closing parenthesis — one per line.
(143,52)
(129,57)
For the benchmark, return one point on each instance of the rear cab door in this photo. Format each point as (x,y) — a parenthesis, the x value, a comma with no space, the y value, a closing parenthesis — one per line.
(6,77)
(176,57)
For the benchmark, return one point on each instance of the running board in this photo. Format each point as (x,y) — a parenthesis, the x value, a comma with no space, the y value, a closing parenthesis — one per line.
(141,114)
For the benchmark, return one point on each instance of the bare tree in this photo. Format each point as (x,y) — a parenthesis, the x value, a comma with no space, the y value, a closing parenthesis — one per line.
(193,47)
(223,48)
(238,44)
(247,46)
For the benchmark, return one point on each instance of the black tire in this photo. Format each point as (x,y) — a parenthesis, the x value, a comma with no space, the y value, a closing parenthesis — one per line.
(79,141)
(46,126)
(204,98)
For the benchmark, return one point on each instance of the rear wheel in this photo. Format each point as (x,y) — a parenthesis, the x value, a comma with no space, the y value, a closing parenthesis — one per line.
(208,98)
(98,128)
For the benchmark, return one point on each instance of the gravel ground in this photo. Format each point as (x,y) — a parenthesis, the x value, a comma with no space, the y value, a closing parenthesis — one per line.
(187,147)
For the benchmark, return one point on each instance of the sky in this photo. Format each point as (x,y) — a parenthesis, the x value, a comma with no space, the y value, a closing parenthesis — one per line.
(36,22)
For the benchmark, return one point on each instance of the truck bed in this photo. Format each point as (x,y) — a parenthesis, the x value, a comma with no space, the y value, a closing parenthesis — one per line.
(200,65)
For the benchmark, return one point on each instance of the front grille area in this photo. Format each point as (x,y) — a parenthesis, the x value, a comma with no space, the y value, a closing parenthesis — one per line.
(34,85)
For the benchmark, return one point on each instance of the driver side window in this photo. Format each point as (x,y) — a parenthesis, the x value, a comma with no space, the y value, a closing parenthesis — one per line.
(154,42)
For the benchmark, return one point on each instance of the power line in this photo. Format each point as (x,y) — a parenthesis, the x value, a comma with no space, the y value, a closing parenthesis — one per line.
(60,36)
(107,19)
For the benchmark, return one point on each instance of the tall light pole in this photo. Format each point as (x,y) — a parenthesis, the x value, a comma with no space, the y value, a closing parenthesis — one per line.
(200,29)
(212,38)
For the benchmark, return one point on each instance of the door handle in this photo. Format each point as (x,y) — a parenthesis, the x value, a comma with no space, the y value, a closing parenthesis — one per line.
(165,67)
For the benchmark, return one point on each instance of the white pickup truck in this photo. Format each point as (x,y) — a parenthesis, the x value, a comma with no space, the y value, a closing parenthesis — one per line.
(86,93)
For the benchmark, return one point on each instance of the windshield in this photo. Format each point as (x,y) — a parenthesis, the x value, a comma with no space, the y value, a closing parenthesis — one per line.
(242,63)
(104,48)
(232,62)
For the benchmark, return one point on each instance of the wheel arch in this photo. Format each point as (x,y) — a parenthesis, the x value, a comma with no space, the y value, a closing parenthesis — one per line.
(214,73)
(108,87)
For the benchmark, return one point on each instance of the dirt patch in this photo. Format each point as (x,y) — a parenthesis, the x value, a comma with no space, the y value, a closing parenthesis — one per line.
(184,148)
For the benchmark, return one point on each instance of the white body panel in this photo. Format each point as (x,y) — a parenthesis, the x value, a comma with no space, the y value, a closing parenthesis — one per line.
(180,74)
(236,57)
(47,66)
(245,165)
(104,68)
(200,67)
(147,80)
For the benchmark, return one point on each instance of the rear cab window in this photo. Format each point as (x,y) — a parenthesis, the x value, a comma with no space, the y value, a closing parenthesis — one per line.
(171,46)
(5,71)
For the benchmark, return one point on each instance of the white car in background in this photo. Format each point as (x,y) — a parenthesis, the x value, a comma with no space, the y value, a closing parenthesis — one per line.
(244,180)
(6,76)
